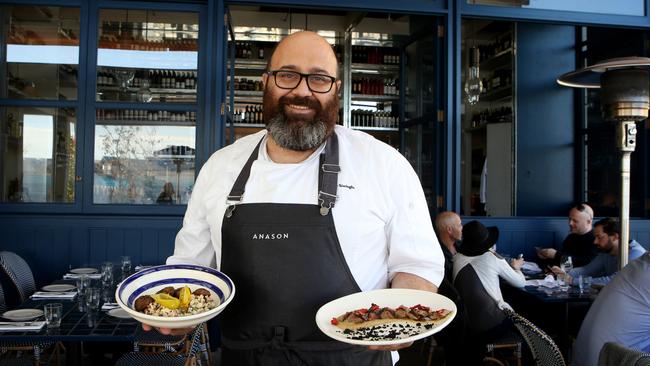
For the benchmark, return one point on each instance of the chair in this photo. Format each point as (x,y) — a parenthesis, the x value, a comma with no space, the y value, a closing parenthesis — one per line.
(614,353)
(153,341)
(544,351)
(483,314)
(167,358)
(21,277)
(19,273)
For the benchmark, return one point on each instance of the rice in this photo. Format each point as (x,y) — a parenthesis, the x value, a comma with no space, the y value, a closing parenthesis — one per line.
(198,304)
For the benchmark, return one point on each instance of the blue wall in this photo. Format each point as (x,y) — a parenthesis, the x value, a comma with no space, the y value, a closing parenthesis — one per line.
(545,120)
(52,244)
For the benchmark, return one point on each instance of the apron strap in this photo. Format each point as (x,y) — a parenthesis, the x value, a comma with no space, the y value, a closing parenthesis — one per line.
(328,175)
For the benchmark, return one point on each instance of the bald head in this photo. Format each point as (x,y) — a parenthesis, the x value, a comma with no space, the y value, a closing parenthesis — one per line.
(449,228)
(580,219)
(314,50)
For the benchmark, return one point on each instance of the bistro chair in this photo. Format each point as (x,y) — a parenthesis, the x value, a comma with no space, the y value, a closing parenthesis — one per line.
(544,351)
(190,358)
(19,274)
(614,353)
(483,314)
(25,353)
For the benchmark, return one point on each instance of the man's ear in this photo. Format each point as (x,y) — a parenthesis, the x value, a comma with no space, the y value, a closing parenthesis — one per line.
(265,78)
(338,86)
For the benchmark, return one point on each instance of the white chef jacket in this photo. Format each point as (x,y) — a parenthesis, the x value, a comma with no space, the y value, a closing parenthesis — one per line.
(381,216)
(489,268)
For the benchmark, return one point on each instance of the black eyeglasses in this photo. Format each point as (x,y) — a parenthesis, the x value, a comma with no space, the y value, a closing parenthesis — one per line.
(318,83)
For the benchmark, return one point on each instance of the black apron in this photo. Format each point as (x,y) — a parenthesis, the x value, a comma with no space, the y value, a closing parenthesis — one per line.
(286,262)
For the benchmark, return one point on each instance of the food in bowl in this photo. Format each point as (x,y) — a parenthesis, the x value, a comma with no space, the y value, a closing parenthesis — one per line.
(174,302)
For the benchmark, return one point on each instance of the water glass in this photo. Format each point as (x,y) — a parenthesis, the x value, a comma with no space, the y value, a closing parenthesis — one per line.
(53,314)
(107,274)
(93,296)
(82,283)
(126,265)
(566,263)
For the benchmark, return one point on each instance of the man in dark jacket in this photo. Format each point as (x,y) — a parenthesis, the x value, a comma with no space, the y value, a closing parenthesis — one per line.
(579,244)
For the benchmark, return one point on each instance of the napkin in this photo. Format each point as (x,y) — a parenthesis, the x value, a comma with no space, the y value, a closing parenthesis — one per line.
(53,295)
(548,281)
(109,305)
(74,276)
(21,326)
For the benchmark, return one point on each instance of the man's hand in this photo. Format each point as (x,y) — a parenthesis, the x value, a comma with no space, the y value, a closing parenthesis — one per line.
(406,280)
(557,271)
(168,331)
(547,253)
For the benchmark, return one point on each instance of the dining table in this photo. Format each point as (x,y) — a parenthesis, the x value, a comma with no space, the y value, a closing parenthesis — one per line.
(544,300)
(79,324)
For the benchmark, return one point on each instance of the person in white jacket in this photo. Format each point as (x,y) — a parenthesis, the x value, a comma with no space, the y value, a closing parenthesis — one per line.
(476,274)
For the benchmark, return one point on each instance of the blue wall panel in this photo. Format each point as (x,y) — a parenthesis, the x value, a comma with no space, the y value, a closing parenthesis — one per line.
(52,245)
(545,120)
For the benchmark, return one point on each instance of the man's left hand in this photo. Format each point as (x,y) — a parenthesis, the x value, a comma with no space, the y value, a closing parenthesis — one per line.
(393,347)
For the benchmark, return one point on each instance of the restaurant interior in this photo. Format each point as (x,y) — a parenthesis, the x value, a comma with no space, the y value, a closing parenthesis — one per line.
(512,113)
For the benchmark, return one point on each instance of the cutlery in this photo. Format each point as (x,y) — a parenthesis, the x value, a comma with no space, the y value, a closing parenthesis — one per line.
(56,293)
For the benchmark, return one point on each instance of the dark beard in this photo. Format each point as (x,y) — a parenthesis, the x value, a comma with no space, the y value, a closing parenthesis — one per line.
(300,135)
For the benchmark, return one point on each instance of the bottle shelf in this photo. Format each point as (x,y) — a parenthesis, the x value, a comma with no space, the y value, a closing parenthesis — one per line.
(365,128)
(500,93)
(357,68)
(248,64)
(375,98)
(145,122)
(496,60)
(101,88)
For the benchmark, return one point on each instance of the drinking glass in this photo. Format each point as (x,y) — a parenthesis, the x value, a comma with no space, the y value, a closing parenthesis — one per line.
(92,298)
(53,314)
(586,282)
(566,264)
(107,274)
(82,283)
(126,265)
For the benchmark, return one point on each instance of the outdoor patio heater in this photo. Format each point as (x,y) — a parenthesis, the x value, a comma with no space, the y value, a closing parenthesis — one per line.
(625,84)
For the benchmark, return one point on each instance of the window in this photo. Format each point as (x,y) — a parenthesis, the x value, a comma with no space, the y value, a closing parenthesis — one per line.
(145,156)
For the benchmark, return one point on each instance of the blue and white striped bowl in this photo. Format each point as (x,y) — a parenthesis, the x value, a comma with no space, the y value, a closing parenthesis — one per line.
(151,280)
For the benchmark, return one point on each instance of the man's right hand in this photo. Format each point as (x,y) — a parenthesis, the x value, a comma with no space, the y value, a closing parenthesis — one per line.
(168,331)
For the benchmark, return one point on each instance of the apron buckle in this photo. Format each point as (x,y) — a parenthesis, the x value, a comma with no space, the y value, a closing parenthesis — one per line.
(229,210)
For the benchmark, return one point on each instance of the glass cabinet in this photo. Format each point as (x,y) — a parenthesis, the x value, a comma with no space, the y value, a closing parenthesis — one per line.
(144,153)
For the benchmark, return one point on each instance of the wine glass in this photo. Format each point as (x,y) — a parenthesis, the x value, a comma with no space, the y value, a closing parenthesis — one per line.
(566,265)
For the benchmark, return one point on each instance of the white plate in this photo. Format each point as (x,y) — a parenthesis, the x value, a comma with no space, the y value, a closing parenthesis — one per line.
(20,315)
(119,313)
(83,270)
(58,287)
(384,298)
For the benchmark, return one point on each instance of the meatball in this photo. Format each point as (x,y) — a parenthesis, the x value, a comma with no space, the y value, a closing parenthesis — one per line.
(169,290)
(177,293)
(143,302)
(201,292)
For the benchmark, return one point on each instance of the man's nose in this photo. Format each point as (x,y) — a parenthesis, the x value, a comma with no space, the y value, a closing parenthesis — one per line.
(302,90)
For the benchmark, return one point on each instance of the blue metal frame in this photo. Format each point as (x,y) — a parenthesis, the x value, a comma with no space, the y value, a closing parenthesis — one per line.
(410,6)
(553,16)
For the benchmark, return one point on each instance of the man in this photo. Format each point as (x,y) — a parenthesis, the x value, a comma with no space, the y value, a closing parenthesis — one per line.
(605,265)
(579,243)
(452,339)
(304,213)
(619,314)
(450,230)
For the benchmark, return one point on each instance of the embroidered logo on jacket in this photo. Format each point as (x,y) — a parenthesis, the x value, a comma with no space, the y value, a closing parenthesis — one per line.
(270,236)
